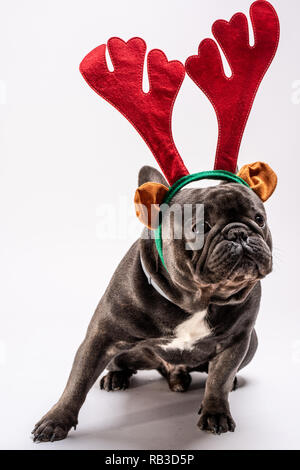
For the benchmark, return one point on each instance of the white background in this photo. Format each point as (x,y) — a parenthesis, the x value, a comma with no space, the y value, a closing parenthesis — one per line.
(64,152)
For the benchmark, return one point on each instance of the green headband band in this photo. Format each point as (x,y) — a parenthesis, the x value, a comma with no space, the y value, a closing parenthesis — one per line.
(211,175)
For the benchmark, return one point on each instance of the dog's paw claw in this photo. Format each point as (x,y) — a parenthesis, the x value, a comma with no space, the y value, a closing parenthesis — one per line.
(54,426)
(115,381)
(216,423)
(49,432)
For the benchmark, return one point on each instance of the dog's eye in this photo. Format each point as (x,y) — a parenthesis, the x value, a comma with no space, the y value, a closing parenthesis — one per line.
(259,219)
(201,227)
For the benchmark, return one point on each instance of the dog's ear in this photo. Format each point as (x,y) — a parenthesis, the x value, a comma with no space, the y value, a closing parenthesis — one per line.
(151,191)
(150,174)
(147,199)
(260,177)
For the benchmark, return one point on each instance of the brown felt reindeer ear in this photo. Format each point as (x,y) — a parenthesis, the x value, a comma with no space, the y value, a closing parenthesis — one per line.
(147,199)
(260,177)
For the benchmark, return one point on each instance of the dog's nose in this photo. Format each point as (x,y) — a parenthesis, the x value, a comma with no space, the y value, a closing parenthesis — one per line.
(236,234)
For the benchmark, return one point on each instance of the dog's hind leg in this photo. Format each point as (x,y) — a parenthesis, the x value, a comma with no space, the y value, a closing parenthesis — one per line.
(125,364)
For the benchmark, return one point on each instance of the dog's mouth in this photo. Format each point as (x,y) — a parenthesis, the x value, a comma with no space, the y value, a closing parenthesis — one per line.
(246,258)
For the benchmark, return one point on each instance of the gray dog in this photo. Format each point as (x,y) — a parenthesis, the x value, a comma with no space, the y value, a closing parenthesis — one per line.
(197,316)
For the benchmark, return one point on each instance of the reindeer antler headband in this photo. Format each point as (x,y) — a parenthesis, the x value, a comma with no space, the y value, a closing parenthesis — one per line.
(232,98)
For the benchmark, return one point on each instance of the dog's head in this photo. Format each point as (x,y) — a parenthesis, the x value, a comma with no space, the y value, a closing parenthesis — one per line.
(225,248)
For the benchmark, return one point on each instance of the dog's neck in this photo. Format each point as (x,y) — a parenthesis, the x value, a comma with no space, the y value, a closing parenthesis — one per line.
(190,296)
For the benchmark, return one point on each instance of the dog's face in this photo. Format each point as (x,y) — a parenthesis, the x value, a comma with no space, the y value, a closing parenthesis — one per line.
(237,246)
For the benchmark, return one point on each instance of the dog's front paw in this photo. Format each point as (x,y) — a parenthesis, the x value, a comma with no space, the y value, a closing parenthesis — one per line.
(216,420)
(54,426)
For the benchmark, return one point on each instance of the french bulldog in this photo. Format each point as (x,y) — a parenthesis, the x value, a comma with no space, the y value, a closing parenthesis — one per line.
(200,315)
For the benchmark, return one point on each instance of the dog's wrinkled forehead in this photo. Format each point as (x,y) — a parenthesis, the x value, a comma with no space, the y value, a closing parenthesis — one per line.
(227,200)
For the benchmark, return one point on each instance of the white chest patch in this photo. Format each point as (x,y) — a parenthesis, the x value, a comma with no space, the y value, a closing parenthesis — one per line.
(189,332)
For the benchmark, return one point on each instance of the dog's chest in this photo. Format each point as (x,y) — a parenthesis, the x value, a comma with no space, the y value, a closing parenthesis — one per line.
(189,332)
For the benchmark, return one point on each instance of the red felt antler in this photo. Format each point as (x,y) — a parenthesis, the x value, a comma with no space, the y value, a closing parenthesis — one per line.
(232,97)
(150,113)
